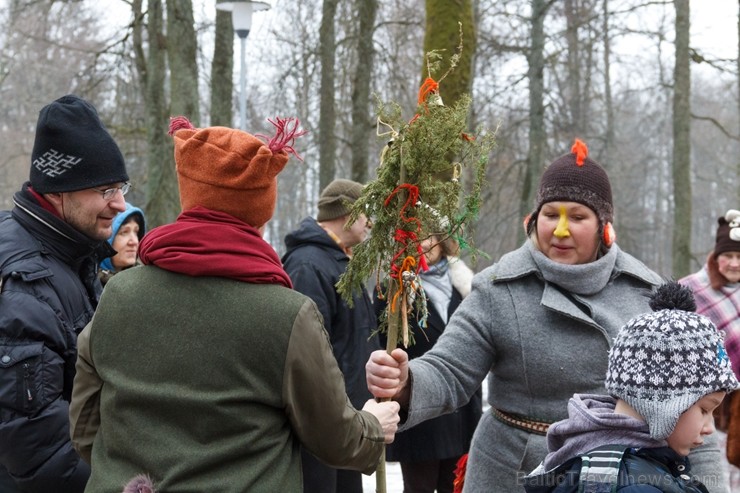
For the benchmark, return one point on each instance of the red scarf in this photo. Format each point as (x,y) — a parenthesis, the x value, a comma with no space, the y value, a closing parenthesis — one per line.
(203,242)
(43,202)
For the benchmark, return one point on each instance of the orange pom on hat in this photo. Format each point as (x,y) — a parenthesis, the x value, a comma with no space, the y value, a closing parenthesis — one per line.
(229,170)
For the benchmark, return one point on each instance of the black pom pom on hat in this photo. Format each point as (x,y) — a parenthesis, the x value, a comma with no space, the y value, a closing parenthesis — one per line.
(672,296)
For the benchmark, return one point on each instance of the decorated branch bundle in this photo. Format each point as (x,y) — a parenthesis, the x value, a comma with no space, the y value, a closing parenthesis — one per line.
(419,192)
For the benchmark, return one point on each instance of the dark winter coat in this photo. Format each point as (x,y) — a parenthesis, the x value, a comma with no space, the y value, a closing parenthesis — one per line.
(315,263)
(48,293)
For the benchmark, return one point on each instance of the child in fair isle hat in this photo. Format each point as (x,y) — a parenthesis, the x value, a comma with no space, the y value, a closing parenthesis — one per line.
(668,370)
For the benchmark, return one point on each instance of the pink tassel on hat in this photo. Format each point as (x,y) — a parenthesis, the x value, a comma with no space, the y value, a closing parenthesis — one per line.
(285,135)
(140,484)
(178,123)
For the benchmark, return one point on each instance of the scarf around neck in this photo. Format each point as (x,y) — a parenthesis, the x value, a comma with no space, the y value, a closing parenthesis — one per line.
(203,242)
(592,423)
(583,279)
(438,286)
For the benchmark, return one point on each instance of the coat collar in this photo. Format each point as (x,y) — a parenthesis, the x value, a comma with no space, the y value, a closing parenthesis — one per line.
(55,235)
(519,264)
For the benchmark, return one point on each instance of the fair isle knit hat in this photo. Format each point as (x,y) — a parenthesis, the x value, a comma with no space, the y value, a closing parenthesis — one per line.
(575,177)
(728,233)
(337,198)
(73,150)
(663,362)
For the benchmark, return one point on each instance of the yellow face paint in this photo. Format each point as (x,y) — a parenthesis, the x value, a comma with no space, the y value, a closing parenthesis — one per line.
(561,231)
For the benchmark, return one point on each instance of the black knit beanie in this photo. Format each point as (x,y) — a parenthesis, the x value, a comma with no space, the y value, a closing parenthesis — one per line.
(337,198)
(575,177)
(73,150)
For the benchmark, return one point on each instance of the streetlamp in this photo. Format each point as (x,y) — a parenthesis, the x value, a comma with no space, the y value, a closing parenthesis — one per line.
(241,17)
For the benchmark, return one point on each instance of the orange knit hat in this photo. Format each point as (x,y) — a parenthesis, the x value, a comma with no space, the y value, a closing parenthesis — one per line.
(229,170)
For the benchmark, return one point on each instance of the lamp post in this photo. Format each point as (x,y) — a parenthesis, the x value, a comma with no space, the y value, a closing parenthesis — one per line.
(241,17)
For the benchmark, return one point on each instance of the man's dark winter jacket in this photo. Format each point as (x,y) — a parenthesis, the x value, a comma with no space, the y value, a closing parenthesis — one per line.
(314,263)
(48,293)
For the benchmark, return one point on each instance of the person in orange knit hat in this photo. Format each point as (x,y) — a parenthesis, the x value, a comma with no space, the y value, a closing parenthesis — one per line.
(219,369)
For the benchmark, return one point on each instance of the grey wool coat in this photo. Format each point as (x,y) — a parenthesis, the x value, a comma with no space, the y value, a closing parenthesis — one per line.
(539,343)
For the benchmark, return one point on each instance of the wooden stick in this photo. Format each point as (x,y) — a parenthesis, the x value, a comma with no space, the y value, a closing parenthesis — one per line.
(391,344)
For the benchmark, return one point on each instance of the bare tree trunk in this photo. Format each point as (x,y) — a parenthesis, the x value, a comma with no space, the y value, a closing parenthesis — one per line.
(443,21)
(327,109)
(162,199)
(222,71)
(575,99)
(609,137)
(361,124)
(682,145)
(537,136)
(182,46)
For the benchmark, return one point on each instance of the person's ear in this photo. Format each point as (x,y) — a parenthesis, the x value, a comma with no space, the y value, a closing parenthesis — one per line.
(610,235)
(54,199)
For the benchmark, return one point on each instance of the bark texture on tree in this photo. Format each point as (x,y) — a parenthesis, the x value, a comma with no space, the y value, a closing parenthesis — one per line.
(443,24)
(681,245)
(537,132)
(327,110)
(361,106)
(222,72)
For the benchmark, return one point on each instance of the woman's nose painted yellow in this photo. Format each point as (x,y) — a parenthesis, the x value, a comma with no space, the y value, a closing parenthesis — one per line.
(561,230)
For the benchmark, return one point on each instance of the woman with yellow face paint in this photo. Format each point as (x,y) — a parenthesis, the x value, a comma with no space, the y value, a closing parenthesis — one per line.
(540,323)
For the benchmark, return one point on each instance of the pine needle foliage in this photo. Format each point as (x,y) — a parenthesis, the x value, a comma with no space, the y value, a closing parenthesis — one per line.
(431,154)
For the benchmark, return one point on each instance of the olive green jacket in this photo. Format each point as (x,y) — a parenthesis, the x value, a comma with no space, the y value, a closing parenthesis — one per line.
(210,384)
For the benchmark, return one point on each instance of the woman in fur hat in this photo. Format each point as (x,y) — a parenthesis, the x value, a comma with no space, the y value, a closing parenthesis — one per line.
(540,323)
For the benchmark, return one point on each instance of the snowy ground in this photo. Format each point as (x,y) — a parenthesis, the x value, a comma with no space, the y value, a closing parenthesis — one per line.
(393,479)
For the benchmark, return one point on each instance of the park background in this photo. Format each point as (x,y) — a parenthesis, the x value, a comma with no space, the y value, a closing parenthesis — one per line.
(654,96)
(653,93)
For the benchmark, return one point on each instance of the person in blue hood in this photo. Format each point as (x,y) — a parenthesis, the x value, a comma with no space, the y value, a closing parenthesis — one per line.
(128,230)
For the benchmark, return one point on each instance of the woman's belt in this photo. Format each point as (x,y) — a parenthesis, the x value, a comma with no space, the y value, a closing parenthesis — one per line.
(521,422)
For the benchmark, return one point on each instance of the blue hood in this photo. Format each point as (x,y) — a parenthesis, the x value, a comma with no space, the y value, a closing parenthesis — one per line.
(117,222)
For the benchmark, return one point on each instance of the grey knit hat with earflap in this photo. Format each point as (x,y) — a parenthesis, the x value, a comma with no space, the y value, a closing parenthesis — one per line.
(337,198)
(663,362)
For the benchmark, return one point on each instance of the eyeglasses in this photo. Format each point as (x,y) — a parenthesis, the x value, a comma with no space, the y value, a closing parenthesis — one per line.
(109,193)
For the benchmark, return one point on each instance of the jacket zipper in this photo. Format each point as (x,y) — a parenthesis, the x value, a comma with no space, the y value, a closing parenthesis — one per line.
(27,396)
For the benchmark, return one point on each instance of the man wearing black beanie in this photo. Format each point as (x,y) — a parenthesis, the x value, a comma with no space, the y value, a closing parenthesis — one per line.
(50,245)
